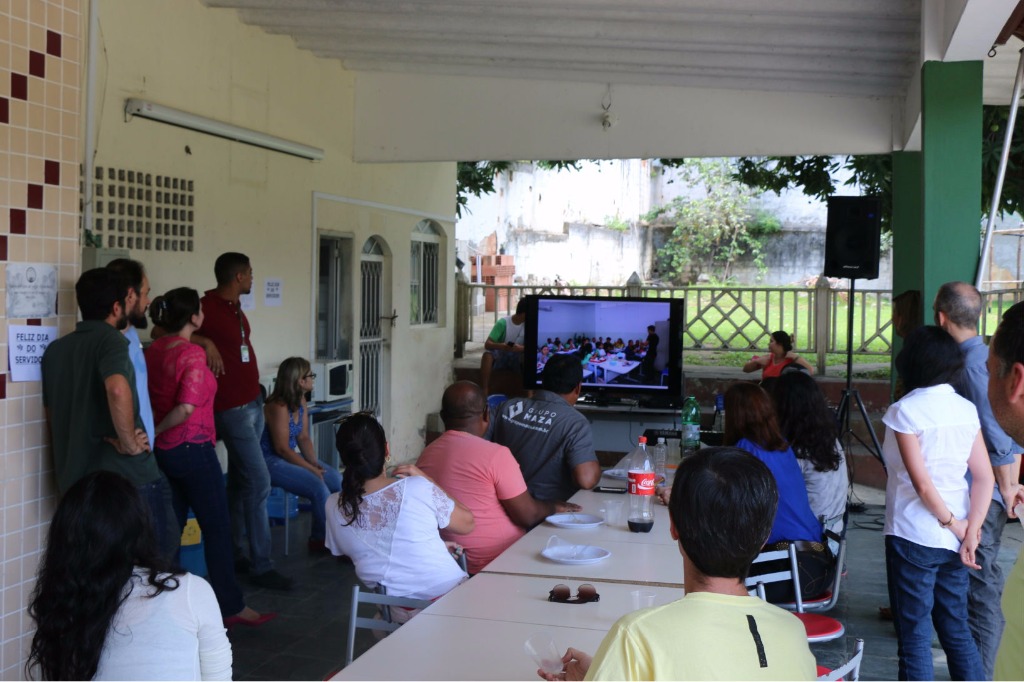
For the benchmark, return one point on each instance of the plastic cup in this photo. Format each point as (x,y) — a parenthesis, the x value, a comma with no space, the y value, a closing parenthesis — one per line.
(613,510)
(642,599)
(541,648)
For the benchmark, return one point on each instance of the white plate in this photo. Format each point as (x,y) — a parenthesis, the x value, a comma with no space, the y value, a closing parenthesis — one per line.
(577,520)
(576,554)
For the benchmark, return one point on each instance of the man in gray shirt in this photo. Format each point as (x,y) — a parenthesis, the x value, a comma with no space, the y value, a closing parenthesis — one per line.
(551,440)
(957,309)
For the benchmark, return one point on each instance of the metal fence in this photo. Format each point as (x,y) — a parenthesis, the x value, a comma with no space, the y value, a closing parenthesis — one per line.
(738,318)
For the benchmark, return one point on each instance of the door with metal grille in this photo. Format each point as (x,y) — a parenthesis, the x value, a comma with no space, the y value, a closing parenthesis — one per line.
(373,346)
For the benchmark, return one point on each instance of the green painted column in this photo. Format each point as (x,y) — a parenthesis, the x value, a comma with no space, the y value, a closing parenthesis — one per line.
(907,222)
(950,173)
(907,234)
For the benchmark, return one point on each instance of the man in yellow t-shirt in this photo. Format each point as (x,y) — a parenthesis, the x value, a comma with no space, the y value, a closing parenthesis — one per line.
(721,509)
(1006,395)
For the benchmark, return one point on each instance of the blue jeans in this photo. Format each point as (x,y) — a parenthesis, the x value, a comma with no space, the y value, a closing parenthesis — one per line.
(928,586)
(984,614)
(157,496)
(248,480)
(305,483)
(197,481)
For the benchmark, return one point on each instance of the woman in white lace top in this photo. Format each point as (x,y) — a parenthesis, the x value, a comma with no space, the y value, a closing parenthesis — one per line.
(389,525)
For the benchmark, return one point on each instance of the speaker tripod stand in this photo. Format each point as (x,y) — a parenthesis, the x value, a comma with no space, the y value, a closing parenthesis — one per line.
(852,396)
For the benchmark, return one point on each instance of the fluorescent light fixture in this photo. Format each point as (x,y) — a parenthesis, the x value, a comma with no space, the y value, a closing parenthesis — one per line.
(158,112)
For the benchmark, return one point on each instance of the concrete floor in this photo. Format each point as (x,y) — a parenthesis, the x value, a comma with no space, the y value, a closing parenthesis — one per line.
(307,641)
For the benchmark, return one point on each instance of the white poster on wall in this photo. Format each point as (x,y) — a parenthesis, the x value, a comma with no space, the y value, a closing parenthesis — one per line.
(25,346)
(248,301)
(31,290)
(272,291)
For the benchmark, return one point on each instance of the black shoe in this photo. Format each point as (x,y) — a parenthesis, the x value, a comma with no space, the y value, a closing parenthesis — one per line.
(243,565)
(272,580)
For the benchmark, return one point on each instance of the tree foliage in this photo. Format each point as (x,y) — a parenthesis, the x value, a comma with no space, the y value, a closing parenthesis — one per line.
(476,178)
(815,175)
(711,231)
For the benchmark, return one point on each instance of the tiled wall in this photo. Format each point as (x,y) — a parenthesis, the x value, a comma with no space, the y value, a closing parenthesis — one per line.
(41,82)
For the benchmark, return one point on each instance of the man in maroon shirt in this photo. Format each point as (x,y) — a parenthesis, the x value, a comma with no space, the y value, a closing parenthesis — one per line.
(238,414)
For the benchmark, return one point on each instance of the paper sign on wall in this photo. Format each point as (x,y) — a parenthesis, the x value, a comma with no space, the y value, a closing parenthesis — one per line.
(25,345)
(247,301)
(272,291)
(31,290)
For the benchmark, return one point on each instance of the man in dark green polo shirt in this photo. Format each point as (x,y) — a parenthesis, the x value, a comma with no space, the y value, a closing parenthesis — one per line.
(91,402)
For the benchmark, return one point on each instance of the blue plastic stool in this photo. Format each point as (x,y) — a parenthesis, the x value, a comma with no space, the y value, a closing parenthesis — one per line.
(192,556)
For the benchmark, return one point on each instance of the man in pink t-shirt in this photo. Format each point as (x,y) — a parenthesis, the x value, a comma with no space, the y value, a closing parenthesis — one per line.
(482,475)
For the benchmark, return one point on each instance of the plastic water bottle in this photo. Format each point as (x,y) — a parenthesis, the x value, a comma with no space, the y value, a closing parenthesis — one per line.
(658,454)
(641,489)
(719,424)
(690,420)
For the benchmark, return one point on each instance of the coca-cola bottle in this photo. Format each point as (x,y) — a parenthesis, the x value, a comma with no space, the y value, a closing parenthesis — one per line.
(641,489)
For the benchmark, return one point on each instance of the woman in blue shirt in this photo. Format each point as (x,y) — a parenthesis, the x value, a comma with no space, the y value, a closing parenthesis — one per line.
(753,426)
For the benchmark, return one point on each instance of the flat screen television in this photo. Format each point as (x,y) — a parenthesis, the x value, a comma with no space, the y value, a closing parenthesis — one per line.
(629,369)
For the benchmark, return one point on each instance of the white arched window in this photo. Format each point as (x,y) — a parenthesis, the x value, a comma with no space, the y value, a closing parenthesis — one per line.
(424,273)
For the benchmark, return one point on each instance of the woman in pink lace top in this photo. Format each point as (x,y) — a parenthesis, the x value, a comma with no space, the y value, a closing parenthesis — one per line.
(181,388)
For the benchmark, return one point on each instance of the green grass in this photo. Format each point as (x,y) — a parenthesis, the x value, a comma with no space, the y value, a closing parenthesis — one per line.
(835,362)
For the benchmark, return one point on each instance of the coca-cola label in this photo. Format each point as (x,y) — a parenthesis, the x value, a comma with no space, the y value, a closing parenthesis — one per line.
(641,482)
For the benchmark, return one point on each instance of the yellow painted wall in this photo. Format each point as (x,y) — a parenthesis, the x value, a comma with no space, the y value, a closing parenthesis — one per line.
(205,61)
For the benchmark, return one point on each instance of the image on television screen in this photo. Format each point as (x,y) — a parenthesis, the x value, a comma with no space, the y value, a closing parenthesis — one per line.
(621,344)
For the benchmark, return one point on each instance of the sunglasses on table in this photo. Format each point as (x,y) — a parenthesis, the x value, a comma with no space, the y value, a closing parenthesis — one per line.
(563,595)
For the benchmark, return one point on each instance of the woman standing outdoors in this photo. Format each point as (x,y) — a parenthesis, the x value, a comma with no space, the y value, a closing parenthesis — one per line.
(780,355)
(288,449)
(932,517)
(181,388)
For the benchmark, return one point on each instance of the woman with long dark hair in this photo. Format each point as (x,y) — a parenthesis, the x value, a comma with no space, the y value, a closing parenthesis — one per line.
(933,518)
(182,388)
(780,356)
(752,426)
(388,525)
(288,448)
(811,429)
(107,606)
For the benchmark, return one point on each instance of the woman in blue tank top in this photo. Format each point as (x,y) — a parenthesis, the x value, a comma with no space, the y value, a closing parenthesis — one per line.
(288,449)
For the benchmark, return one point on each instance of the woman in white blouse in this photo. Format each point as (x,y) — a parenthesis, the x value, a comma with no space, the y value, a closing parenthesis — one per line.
(388,525)
(932,517)
(107,606)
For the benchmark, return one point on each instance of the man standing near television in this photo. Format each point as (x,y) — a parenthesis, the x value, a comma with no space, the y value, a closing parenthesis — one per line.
(238,415)
(652,351)
(551,440)
(503,348)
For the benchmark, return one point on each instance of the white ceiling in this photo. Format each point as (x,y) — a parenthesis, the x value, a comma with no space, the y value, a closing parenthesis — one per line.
(861,57)
(867,47)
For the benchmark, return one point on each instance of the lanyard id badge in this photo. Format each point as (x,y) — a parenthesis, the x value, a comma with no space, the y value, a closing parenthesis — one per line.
(244,350)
